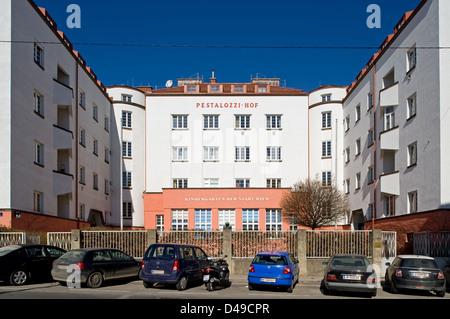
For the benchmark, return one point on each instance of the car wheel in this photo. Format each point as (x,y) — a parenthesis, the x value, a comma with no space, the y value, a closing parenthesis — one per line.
(182,283)
(147,284)
(392,287)
(95,280)
(291,287)
(324,289)
(440,293)
(250,286)
(19,277)
(209,286)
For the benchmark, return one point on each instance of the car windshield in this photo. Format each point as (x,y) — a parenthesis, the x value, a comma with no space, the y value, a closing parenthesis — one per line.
(350,262)
(161,251)
(73,255)
(7,249)
(270,260)
(419,263)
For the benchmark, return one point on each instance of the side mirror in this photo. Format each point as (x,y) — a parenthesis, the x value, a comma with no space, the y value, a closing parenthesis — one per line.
(208,258)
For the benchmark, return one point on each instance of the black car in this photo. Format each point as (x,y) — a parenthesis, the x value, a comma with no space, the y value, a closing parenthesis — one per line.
(415,272)
(21,263)
(350,273)
(92,266)
(447,276)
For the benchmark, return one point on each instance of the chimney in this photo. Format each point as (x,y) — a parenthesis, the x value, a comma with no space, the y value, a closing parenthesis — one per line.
(213,78)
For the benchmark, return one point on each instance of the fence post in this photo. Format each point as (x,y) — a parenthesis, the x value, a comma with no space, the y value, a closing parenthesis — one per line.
(377,247)
(227,246)
(75,239)
(301,251)
(151,237)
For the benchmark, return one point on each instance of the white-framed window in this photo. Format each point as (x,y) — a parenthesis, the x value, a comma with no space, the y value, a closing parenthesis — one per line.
(326,178)
(389,118)
(82,208)
(179,122)
(262,89)
(370,137)
(347,123)
(95,146)
(107,155)
(210,121)
(179,219)
(273,182)
(326,120)
(38,153)
(127,97)
(82,99)
(369,101)
(357,112)
(192,89)
(412,202)
(82,176)
(179,183)
(215,88)
(242,153)
(211,182)
(347,155)
(127,149)
(106,186)
(38,103)
(38,200)
(358,180)
(326,148)
(273,122)
(203,219)
(82,136)
(106,126)
(293,222)
(242,182)
(370,175)
(273,153)
(210,153)
(347,186)
(127,209)
(180,153)
(95,112)
(242,121)
(126,179)
(389,205)
(95,181)
(160,223)
(273,220)
(227,216)
(250,219)
(412,154)
(412,106)
(326,97)
(358,146)
(238,89)
(411,58)
(126,119)
(39,54)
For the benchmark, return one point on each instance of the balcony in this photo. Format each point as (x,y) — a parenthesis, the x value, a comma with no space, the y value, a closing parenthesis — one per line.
(389,139)
(62,94)
(390,183)
(389,96)
(62,138)
(62,183)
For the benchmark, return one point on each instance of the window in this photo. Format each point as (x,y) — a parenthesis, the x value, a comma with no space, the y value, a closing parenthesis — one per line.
(262,89)
(215,88)
(389,118)
(180,183)
(95,146)
(273,219)
(106,124)
(203,219)
(82,175)
(227,216)
(238,89)
(126,97)
(412,106)
(38,54)
(412,202)
(369,101)
(273,154)
(82,99)
(95,181)
(127,209)
(38,199)
(106,155)
(347,123)
(179,219)
(242,122)
(126,179)
(95,112)
(347,186)
(242,153)
(191,89)
(389,205)
(38,104)
(38,153)
(347,154)
(242,183)
(411,58)
(358,181)
(326,120)
(179,122)
(370,175)
(250,219)
(370,137)
(180,153)
(326,97)
(293,222)
(210,153)
(370,212)
(326,149)
(412,154)
(82,136)
(357,113)
(126,149)
(211,182)
(358,146)
(210,121)
(126,119)
(273,182)
(82,211)
(106,187)
(326,178)
(160,223)
(273,121)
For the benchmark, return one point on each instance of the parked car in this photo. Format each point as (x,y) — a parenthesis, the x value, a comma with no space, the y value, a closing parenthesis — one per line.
(447,276)
(415,272)
(349,273)
(21,263)
(177,264)
(274,268)
(95,265)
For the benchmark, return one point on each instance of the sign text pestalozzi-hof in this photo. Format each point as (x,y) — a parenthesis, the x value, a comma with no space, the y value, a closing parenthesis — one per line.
(227,105)
(225,199)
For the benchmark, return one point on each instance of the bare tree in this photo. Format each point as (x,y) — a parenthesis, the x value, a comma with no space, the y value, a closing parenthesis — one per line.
(313,204)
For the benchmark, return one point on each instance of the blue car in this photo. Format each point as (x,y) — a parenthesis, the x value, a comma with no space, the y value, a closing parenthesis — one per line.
(274,268)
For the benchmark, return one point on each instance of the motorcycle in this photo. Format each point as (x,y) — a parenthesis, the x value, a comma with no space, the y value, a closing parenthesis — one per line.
(217,274)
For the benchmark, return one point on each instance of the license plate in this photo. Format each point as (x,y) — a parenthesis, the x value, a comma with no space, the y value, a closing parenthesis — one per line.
(268,280)
(157,272)
(351,277)
(64,267)
(205,277)
(419,274)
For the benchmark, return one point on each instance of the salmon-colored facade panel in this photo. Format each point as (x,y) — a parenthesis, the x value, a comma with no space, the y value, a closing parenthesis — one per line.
(213,200)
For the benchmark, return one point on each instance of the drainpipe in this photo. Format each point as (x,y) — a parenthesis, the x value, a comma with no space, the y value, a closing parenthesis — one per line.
(374,148)
(76,146)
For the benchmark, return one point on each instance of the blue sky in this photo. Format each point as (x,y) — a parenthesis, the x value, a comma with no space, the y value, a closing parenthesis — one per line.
(282,23)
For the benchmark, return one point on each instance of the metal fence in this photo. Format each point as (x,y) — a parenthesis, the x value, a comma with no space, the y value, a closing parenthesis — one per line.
(60,239)
(324,243)
(247,244)
(13,238)
(210,241)
(432,243)
(133,242)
